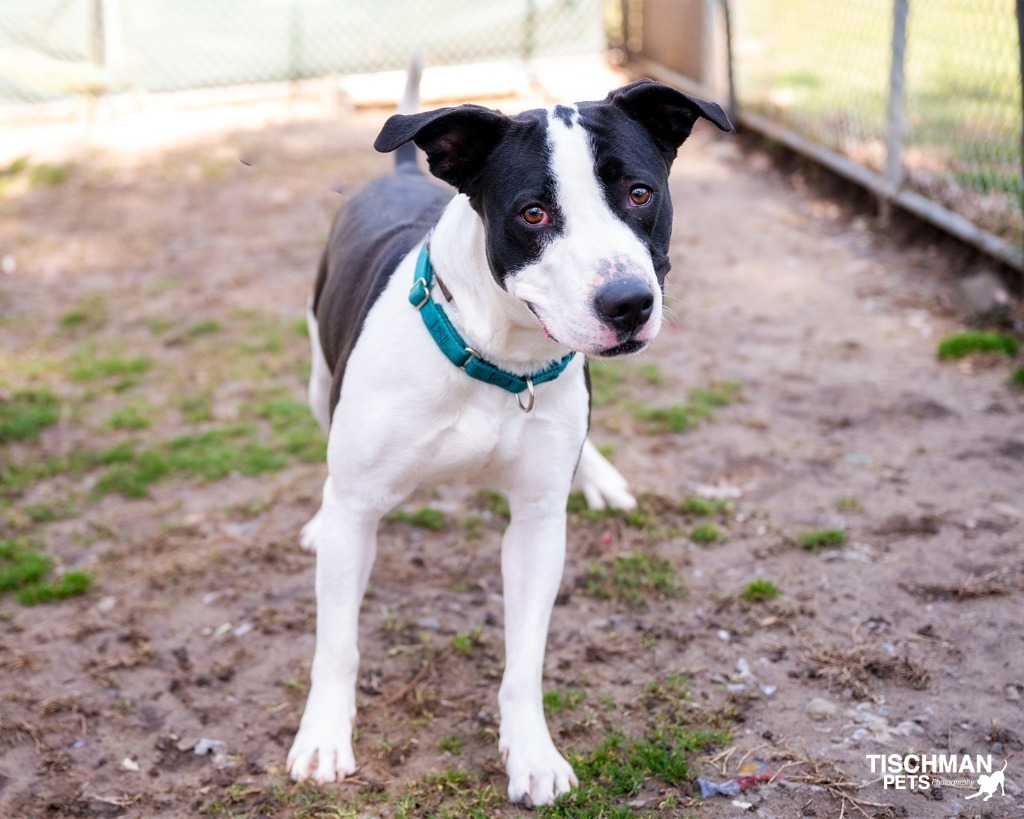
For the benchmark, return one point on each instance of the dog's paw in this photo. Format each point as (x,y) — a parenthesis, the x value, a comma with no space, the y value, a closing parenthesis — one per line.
(322,759)
(537,776)
(308,537)
(601,483)
(608,494)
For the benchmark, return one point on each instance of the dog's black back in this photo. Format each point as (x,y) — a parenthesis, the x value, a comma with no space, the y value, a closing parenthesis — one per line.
(370,235)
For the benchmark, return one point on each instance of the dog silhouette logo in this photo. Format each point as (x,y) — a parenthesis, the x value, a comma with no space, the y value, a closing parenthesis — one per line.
(987,784)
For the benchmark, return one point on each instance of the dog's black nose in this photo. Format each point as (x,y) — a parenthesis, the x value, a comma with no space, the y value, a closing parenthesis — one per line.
(625,304)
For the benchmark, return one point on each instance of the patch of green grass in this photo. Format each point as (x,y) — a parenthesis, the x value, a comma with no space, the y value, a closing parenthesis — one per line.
(556,701)
(21,565)
(48,176)
(849,504)
(673,689)
(474,527)
(295,428)
(496,503)
(217,453)
(631,578)
(819,539)
(158,325)
(605,380)
(15,479)
(650,373)
(266,335)
(973,342)
(674,418)
(636,518)
(74,318)
(212,455)
(196,408)
(705,507)
(69,584)
(577,505)
(452,744)
(23,570)
(132,478)
(621,765)
(297,801)
(283,412)
(467,642)
(26,414)
(1017,379)
(101,369)
(425,518)
(203,328)
(135,416)
(700,406)
(454,793)
(52,511)
(278,432)
(704,401)
(90,313)
(758,591)
(16,166)
(706,534)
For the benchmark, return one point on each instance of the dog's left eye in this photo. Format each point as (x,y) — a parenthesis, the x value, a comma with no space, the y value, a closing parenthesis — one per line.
(640,195)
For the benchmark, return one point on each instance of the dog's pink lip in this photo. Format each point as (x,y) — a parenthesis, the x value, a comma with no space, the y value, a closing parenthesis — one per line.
(540,321)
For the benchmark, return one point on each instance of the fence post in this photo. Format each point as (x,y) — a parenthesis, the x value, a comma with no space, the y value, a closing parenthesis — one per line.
(734,111)
(1020,46)
(530,30)
(97,35)
(294,41)
(624,31)
(895,117)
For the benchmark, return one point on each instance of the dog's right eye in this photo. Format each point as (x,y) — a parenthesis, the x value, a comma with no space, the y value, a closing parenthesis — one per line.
(534,216)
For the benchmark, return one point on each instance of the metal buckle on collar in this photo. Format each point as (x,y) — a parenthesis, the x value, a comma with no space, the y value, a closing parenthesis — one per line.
(470,353)
(529,403)
(426,292)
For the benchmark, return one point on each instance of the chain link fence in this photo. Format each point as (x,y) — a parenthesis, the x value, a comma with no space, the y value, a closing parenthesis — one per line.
(827,71)
(920,100)
(51,49)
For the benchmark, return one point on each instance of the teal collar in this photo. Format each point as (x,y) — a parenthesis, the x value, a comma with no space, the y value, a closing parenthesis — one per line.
(461,354)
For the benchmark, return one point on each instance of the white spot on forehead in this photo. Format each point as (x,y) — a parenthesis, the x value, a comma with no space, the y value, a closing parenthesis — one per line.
(580,197)
(590,224)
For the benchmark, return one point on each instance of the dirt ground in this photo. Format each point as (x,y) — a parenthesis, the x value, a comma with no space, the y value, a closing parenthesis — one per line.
(820,404)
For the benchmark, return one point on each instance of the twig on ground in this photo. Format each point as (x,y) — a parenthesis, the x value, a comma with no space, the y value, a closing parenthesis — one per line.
(405,690)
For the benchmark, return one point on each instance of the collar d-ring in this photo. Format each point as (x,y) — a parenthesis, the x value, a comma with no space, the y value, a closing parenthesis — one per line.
(529,402)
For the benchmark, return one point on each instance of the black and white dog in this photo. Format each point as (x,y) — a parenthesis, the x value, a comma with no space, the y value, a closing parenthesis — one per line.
(449,340)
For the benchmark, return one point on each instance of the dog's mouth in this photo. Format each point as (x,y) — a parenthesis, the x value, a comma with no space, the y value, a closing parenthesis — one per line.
(625,348)
(540,321)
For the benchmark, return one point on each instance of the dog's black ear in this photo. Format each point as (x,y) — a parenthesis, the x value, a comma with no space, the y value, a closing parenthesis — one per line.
(457,141)
(667,114)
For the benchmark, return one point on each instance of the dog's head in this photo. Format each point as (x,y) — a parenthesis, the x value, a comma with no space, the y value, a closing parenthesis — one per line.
(574,202)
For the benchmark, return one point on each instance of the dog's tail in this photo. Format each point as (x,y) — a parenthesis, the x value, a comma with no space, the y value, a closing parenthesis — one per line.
(410,104)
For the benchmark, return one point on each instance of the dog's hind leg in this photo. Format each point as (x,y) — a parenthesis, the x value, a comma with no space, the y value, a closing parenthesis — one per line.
(346,544)
(601,483)
(320,376)
(320,379)
(310,532)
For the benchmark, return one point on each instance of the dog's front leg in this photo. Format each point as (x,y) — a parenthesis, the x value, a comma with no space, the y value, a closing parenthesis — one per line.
(346,543)
(532,558)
